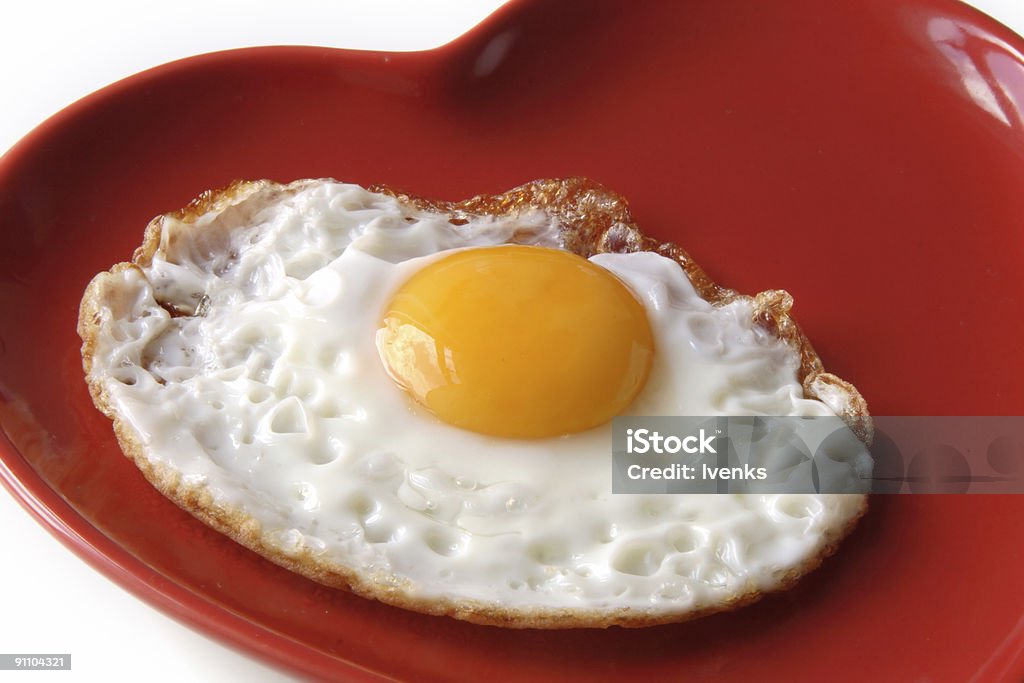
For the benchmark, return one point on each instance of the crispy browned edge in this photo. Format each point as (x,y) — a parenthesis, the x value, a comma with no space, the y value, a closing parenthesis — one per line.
(592,220)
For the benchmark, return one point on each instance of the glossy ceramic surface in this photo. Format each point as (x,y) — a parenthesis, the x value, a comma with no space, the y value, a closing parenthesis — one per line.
(866,156)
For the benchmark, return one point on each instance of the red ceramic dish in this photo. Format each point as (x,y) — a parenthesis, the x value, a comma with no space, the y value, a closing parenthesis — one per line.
(866,156)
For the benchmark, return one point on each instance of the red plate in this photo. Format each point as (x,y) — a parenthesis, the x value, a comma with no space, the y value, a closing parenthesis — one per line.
(866,156)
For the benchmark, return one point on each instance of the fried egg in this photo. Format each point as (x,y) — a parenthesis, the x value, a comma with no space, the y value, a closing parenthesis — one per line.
(419,408)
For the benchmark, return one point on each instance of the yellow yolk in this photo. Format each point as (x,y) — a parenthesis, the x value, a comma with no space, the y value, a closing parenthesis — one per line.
(517,341)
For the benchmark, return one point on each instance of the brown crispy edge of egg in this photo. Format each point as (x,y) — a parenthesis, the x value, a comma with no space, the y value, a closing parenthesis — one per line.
(591,220)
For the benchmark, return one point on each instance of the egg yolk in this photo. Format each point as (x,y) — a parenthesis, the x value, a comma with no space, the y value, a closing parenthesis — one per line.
(517,341)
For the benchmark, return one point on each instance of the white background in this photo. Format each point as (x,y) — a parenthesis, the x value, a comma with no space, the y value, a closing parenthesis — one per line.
(52,53)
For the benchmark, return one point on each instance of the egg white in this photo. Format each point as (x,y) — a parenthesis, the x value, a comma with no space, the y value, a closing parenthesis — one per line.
(276,401)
